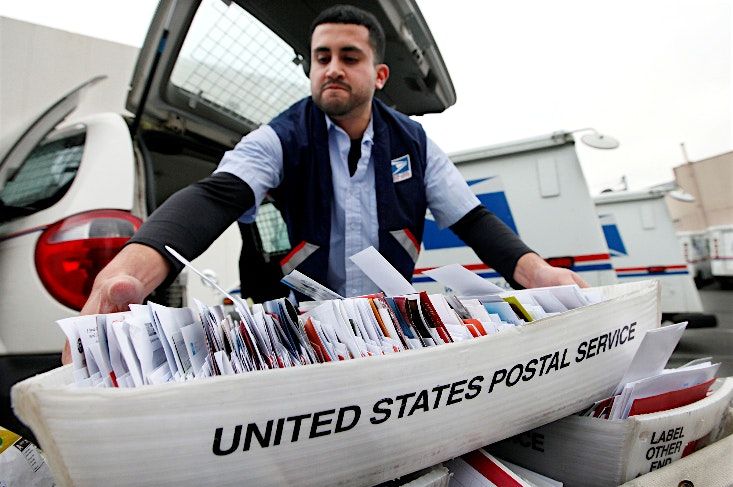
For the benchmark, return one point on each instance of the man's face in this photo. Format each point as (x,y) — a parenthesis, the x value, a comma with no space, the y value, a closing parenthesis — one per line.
(343,74)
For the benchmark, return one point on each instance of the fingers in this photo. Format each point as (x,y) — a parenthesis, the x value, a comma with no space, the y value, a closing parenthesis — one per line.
(114,294)
(579,280)
(557,276)
(66,354)
(124,291)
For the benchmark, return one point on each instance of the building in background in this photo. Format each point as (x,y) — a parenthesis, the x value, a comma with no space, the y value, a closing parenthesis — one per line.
(41,64)
(709,218)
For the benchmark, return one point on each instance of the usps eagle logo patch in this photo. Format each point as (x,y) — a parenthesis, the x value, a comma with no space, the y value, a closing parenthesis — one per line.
(401,169)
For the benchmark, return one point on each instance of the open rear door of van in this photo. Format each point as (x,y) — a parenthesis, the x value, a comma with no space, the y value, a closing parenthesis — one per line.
(222,68)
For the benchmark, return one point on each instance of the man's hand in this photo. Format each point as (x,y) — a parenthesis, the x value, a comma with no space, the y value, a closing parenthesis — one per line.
(533,271)
(114,294)
(133,274)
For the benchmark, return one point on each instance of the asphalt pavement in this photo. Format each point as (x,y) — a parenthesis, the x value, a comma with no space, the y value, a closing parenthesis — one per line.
(710,342)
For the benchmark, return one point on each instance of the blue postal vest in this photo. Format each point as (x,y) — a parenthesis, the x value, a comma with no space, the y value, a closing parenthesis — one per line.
(306,192)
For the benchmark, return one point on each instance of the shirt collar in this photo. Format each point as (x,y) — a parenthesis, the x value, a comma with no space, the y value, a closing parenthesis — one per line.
(368,136)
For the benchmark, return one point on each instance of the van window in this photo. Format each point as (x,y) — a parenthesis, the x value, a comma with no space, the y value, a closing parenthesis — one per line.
(273,231)
(234,63)
(45,175)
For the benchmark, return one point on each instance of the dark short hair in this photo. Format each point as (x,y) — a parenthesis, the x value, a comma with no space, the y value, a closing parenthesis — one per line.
(348,14)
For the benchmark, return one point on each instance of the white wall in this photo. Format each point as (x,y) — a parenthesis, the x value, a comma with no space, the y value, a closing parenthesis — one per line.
(39,64)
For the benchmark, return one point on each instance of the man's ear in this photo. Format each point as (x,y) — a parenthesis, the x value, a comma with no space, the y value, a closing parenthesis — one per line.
(382,75)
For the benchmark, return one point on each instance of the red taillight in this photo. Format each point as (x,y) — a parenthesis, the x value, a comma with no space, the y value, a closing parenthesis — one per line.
(565,262)
(71,252)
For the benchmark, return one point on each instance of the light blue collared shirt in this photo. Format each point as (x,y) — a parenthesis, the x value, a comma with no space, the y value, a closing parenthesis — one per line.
(258,160)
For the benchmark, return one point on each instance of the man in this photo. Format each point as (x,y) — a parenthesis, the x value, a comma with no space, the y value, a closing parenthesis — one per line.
(331,158)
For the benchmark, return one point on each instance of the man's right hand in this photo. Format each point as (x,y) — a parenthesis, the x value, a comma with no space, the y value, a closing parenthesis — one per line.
(133,274)
(114,294)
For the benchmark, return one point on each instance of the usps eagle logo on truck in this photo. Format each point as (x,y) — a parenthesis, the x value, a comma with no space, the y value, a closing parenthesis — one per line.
(614,241)
(490,192)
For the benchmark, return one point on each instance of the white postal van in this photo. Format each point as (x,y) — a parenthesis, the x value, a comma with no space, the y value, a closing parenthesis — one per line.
(695,248)
(209,72)
(536,186)
(643,245)
(73,195)
(720,238)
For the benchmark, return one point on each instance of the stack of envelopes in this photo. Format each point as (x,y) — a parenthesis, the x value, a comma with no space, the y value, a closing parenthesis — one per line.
(154,344)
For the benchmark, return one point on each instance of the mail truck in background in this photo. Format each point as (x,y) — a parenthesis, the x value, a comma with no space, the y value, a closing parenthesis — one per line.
(708,208)
(537,187)
(695,246)
(720,239)
(643,245)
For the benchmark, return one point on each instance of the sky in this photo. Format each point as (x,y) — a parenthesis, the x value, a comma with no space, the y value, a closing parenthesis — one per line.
(652,73)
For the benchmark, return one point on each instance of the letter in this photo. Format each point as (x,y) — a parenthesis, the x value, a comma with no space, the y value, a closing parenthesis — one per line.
(677,447)
(655,439)
(678,432)
(379,410)
(543,359)
(650,453)
(420,403)
(592,350)
(564,363)
(340,420)
(264,440)
(632,328)
(614,339)
(296,425)
(454,392)
(278,431)
(621,339)
(403,397)
(509,381)
(581,352)
(602,342)
(554,362)
(524,439)
(318,422)
(531,369)
(439,390)
(216,447)
(497,379)
(474,385)
(538,442)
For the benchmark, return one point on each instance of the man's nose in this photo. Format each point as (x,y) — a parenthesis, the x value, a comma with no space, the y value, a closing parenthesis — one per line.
(334,70)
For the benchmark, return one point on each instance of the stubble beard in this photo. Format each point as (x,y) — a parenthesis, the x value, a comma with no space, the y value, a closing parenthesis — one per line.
(337,107)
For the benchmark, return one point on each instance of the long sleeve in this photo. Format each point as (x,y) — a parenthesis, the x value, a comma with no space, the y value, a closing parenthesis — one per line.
(191,219)
(495,243)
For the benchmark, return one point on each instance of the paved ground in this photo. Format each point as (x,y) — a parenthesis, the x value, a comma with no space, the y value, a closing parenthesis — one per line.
(715,342)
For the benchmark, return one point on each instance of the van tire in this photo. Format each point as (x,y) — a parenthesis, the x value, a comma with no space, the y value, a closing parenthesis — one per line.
(699,281)
(694,320)
(726,283)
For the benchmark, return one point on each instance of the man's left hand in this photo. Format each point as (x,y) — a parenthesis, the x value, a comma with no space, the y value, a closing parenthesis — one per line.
(533,271)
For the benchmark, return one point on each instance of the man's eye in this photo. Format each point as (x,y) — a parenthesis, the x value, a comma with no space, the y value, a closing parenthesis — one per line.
(351,60)
(323,59)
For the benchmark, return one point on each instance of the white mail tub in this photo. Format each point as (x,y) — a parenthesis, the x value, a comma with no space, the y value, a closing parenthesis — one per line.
(357,422)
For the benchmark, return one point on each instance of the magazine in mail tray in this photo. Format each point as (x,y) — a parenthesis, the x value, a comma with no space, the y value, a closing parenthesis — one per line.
(356,422)
(588,451)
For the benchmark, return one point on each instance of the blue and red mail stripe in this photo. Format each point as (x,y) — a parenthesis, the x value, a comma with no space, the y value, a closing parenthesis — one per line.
(581,263)
(656,270)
